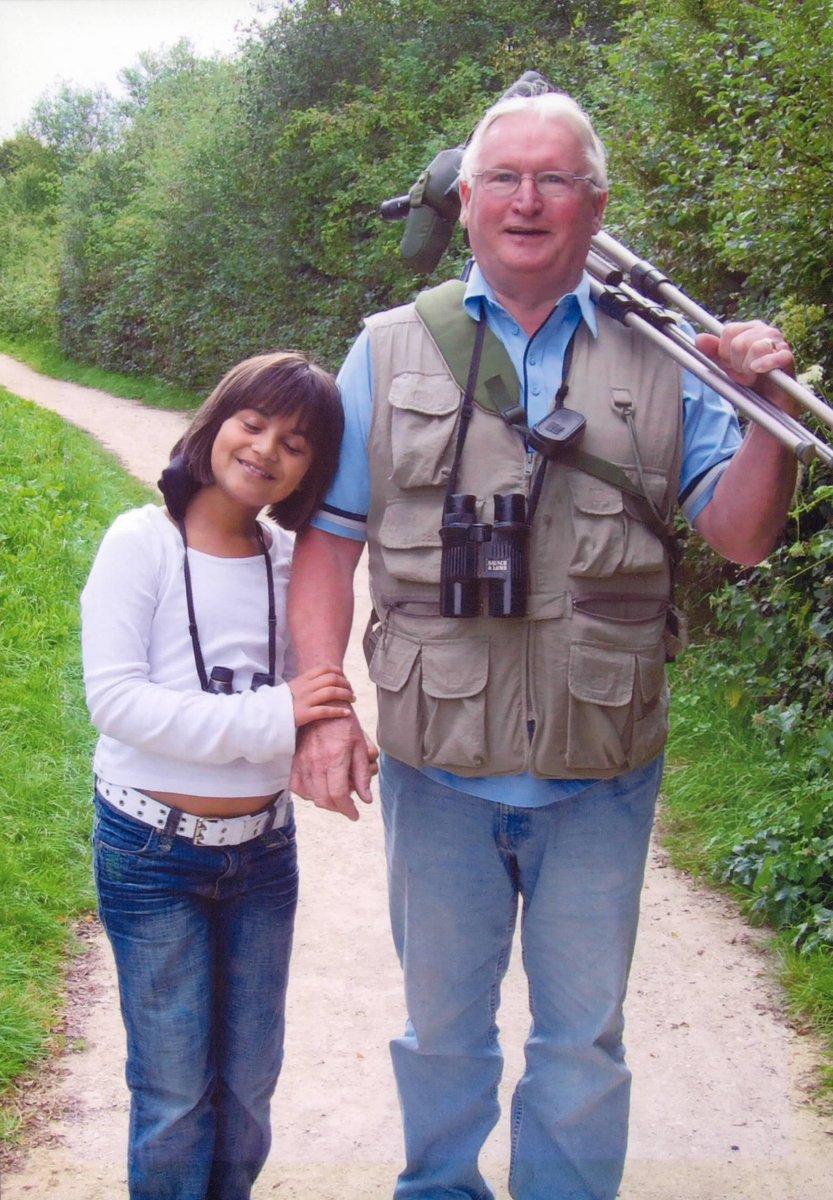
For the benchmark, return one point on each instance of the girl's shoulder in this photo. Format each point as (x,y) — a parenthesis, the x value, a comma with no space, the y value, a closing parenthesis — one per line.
(140,530)
(280,542)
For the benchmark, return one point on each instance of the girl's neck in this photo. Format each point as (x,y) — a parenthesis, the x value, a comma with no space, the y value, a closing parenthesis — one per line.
(216,526)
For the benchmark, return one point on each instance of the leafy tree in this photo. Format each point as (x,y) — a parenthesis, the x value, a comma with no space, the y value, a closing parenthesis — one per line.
(29,210)
(717,113)
(74,122)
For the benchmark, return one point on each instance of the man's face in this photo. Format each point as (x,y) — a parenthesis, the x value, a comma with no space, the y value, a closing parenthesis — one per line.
(529,247)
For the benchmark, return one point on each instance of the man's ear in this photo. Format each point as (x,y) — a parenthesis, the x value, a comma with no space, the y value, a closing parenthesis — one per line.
(599,206)
(465,200)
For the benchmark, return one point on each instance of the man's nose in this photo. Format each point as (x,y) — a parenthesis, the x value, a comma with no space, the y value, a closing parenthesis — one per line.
(527,197)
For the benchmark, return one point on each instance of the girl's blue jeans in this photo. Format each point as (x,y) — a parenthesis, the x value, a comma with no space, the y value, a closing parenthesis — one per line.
(201,938)
(458,866)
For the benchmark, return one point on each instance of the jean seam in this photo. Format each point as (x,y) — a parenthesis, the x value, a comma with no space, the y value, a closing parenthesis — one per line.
(516,1107)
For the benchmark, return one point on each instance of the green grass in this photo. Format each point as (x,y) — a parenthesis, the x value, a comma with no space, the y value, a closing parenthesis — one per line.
(725,782)
(42,355)
(58,493)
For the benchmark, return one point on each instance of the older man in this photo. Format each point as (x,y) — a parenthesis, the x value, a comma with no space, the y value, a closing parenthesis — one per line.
(522,756)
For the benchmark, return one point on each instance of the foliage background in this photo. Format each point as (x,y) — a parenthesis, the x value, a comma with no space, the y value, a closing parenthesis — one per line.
(225,207)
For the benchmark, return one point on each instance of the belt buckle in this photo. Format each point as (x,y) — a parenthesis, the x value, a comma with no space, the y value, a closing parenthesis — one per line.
(199,829)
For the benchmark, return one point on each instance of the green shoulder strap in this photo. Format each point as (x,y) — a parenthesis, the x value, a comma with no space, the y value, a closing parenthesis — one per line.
(442,312)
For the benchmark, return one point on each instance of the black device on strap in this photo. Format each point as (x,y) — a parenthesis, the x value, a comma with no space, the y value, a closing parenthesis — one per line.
(260,678)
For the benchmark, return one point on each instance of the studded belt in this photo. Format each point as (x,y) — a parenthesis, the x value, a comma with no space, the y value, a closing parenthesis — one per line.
(202,831)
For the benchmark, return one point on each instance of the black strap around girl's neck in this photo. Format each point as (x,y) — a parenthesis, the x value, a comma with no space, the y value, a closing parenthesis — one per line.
(192,620)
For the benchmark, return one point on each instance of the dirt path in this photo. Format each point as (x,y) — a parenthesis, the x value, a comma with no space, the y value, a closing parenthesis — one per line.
(721,1109)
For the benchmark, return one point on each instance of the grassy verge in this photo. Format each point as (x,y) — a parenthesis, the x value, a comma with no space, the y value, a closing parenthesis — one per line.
(45,357)
(58,493)
(746,816)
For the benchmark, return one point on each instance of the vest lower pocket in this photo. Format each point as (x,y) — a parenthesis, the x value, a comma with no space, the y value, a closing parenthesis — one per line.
(432,701)
(454,676)
(617,707)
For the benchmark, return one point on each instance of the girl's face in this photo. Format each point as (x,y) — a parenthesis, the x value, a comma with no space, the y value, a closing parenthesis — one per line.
(258,460)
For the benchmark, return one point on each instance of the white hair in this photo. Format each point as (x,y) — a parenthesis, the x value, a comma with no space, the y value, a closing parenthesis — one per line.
(548,106)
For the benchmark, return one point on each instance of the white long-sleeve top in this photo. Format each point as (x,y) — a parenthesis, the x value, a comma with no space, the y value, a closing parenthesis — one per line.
(159,730)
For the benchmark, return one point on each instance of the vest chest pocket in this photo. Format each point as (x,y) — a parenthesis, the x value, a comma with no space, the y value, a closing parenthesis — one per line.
(607,538)
(409,539)
(423,419)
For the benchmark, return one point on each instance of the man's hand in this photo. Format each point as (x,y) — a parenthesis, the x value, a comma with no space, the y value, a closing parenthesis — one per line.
(744,518)
(749,350)
(334,758)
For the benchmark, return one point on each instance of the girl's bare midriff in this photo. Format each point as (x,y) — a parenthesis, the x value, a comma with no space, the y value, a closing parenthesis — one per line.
(214,806)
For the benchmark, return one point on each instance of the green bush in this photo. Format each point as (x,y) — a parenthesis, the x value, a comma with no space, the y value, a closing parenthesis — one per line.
(786,867)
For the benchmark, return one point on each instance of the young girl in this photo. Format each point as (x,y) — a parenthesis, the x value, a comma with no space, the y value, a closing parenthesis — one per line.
(185,662)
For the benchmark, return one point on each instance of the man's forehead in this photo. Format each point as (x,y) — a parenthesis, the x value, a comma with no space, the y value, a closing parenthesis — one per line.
(508,130)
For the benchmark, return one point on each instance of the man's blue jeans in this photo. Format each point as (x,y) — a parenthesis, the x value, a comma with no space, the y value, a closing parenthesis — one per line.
(457,865)
(202,938)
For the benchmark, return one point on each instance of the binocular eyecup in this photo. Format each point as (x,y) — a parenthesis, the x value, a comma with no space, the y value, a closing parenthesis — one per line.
(221,681)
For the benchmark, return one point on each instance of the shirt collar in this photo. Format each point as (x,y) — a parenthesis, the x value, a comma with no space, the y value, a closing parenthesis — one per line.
(478,290)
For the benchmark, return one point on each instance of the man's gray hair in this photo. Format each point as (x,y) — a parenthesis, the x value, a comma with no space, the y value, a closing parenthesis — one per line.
(547,106)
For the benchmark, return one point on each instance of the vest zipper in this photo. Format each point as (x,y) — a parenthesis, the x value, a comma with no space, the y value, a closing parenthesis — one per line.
(529,467)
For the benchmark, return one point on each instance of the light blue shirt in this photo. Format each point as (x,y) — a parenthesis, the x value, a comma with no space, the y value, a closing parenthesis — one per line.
(711,435)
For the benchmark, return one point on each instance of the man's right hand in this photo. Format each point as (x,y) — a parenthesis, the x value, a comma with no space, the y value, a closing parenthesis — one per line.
(332,759)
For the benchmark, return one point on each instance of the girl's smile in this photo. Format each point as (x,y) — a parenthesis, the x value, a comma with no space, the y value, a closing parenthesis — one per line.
(258,460)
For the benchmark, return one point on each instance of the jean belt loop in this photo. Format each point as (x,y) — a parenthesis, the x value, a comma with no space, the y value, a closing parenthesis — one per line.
(172,823)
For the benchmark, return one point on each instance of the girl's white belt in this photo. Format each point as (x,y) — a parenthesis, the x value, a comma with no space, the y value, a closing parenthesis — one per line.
(202,831)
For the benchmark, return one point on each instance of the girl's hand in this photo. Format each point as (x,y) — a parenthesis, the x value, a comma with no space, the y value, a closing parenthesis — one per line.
(319,693)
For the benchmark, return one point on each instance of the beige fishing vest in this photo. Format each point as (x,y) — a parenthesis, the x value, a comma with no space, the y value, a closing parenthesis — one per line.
(576,689)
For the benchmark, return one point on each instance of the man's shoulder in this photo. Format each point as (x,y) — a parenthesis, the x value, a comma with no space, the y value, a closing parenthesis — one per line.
(400,315)
(451,292)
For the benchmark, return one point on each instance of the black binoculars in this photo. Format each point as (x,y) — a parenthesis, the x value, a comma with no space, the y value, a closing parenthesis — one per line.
(221,681)
(474,552)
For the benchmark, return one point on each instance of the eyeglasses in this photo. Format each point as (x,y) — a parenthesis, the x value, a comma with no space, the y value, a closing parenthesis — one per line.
(553,185)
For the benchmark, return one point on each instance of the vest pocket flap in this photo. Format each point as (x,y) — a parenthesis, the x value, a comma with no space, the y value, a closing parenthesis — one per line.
(392,662)
(601,676)
(454,670)
(406,525)
(431,395)
(594,496)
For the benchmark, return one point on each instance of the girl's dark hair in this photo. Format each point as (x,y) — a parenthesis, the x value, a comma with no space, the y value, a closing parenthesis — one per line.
(280,384)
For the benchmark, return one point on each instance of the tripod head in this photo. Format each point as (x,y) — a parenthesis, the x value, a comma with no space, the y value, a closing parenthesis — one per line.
(431,208)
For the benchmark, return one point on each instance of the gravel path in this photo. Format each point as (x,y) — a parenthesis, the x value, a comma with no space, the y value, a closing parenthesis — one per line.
(722,1087)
